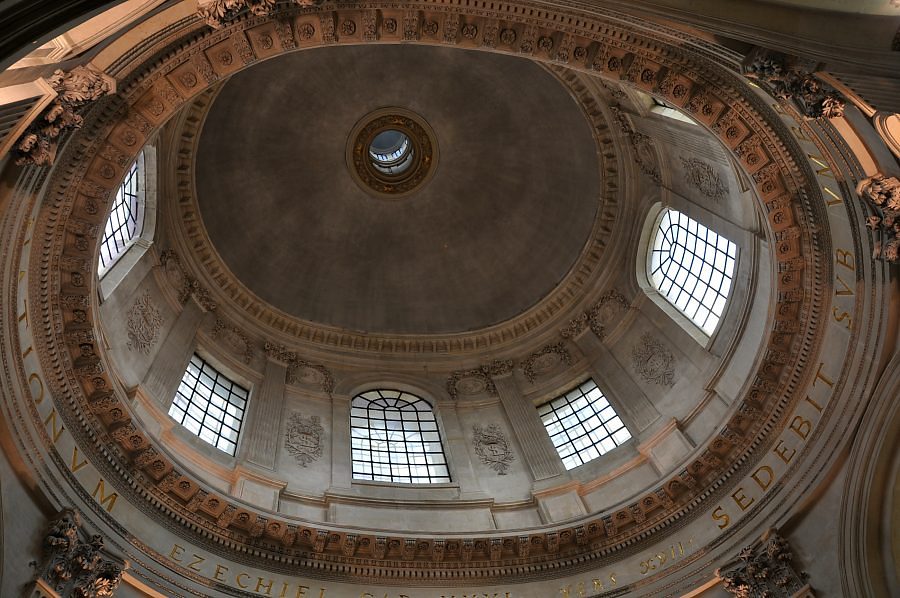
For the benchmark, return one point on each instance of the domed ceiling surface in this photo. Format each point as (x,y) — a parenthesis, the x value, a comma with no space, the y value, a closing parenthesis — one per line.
(505,216)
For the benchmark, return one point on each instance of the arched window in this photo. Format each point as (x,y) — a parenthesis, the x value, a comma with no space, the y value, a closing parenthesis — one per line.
(210,405)
(126,219)
(394,437)
(692,267)
(582,425)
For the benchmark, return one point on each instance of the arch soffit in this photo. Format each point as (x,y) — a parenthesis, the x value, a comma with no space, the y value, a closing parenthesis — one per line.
(85,179)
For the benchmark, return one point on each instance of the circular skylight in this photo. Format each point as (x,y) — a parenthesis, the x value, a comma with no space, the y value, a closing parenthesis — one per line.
(391,152)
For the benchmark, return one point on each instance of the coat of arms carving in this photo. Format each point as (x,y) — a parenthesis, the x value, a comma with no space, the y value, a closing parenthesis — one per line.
(492,447)
(653,362)
(144,322)
(303,439)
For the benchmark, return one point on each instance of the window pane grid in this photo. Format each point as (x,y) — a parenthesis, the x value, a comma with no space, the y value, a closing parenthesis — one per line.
(394,438)
(122,226)
(692,267)
(582,425)
(213,415)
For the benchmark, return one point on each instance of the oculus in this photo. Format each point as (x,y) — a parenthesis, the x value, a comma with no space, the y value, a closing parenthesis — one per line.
(392,152)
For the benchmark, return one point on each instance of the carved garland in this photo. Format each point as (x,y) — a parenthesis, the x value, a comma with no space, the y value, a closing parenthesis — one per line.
(477,380)
(545,359)
(720,107)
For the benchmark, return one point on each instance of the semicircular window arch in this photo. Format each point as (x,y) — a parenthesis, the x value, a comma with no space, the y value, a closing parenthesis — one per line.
(394,437)
(126,218)
(692,267)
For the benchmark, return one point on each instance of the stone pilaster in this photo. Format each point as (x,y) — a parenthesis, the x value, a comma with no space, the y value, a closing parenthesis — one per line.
(162,379)
(612,378)
(457,449)
(537,449)
(341,458)
(263,425)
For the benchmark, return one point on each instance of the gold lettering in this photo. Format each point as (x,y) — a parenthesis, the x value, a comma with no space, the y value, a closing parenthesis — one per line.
(237,580)
(813,403)
(321,592)
(101,490)
(28,352)
(781,451)
(301,591)
(197,560)
(612,578)
(564,592)
(366,595)
(719,514)
(824,169)
(741,499)
(40,396)
(177,550)
(51,419)
(822,377)
(843,316)
(75,464)
(844,258)
(259,582)
(847,290)
(21,275)
(832,202)
(220,569)
(770,475)
(802,427)
(24,315)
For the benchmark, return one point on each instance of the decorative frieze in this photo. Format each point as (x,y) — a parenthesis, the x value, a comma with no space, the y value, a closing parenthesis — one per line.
(766,569)
(477,380)
(789,79)
(492,447)
(75,89)
(303,438)
(881,195)
(601,317)
(74,566)
(144,322)
(653,361)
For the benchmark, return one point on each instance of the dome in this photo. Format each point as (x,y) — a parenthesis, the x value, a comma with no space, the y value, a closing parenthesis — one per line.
(420,301)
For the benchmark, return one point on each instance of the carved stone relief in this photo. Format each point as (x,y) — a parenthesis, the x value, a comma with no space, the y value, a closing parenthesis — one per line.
(644,152)
(75,567)
(185,284)
(303,438)
(477,380)
(766,569)
(219,12)
(653,362)
(601,317)
(234,338)
(76,88)
(790,79)
(545,359)
(882,197)
(492,447)
(144,322)
(299,370)
(703,177)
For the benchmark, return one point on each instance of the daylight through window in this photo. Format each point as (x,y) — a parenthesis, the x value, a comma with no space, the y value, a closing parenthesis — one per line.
(125,219)
(210,405)
(395,438)
(692,267)
(582,425)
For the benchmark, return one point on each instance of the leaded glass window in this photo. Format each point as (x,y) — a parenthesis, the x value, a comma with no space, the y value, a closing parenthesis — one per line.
(125,219)
(394,437)
(692,267)
(210,405)
(582,425)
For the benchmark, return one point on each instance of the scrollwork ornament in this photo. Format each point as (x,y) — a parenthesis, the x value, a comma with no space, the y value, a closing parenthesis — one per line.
(303,438)
(788,79)
(545,359)
(74,566)
(702,176)
(144,322)
(653,362)
(492,447)
(765,568)
(219,13)
(74,89)
(881,195)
